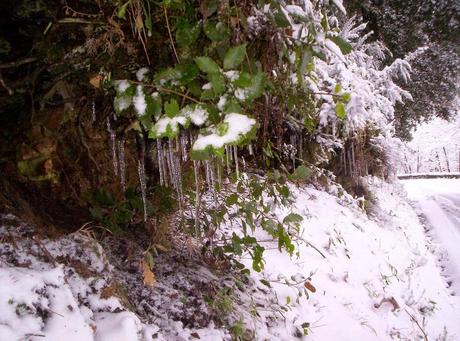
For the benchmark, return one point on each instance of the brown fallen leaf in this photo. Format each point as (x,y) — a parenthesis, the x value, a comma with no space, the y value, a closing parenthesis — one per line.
(309,286)
(149,276)
(96,81)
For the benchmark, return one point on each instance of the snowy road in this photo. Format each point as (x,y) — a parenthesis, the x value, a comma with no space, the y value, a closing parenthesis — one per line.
(438,200)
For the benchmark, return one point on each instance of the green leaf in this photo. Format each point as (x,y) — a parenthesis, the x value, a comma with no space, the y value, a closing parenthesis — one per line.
(338,88)
(234,57)
(301,173)
(171,108)
(344,45)
(231,200)
(187,33)
(257,87)
(218,82)
(243,81)
(293,218)
(232,105)
(340,110)
(281,20)
(154,106)
(346,97)
(121,13)
(207,65)
(265,282)
(216,31)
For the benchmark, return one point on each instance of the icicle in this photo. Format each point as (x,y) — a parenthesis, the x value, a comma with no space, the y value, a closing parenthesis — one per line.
(235,151)
(93,111)
(178,177)
(160,162)
(208,174)
(227,158)
(197,196)
(141,172)
(113,145)
(122,164)
(170,164)
(219,172)
(244,163)
(251,152)
(183,139)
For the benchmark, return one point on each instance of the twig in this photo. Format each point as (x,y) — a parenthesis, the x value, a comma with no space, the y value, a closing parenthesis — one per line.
(45,250)
(7,88)
(425,337)
(79,21)
(170,35)
(312,246)
(159,88)
(17,63)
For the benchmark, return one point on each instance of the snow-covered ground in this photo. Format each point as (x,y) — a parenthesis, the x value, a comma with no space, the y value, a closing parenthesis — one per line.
(379,281)
(438,200)
(356,276)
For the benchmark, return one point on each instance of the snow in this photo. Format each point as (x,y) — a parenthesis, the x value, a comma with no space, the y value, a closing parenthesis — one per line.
(139,101)
(438,200)
(140,74)
(122,85)
(379,275)
(122,103)
(42,299)
(238,126)
(198,115)
(435,147)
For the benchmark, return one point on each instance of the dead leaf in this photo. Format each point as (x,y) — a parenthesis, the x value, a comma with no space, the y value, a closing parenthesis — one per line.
(149,276)
(96,81)
(309,286)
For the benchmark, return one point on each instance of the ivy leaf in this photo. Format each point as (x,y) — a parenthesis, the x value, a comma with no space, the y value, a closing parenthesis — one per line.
(243,81)
(218,82)
(301,173)
(265,282)
(340,110)
(293,218)
(257,86)
(344,45)
(171,108)
(187,34)
(216,31)
(207,65)
(234,57)
(281,20)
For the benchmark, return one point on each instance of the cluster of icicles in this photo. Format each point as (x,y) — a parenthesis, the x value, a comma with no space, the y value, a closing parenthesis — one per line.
(170,155)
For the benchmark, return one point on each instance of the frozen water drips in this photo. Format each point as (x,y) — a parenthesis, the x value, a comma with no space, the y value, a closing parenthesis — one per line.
(208,174)
(183,143)
(175,171)
(228,157)
(113,145)
(122,163)
(196,165)
(250,150)
(235,155)
(141,172)
(161,163)
(170,165)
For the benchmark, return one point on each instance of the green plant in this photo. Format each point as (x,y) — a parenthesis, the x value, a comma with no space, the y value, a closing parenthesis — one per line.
(113,214)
